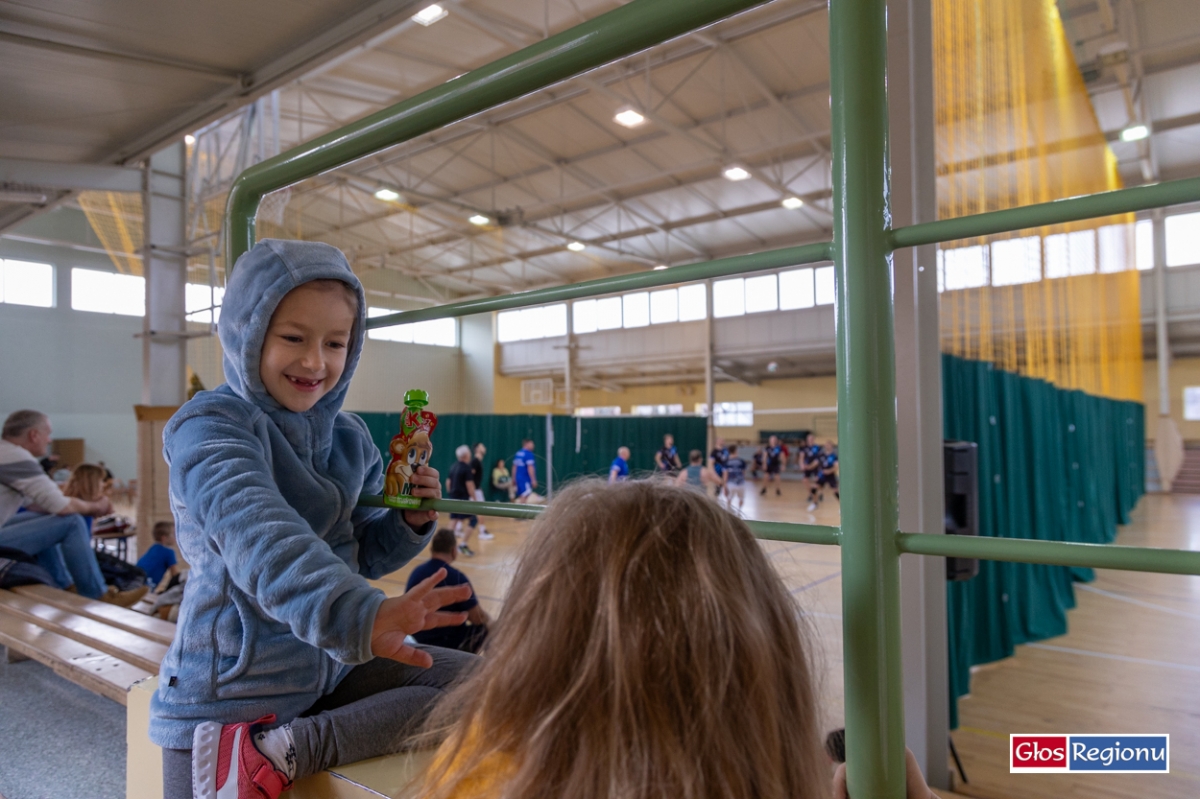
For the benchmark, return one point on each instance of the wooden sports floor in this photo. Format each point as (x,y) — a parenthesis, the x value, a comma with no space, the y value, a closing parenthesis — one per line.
(1129,664)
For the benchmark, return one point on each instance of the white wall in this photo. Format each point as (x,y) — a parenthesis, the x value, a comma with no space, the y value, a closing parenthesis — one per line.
(83,369)
(459,380)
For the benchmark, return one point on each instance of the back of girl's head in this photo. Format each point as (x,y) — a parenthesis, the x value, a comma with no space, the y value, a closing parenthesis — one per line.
(86,482)
(646,649)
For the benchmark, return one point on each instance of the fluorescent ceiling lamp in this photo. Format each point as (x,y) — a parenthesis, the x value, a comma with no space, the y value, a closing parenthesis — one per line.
(429,15)
(792,203)
(387,195)
(660,267)
(1135,133)
(735,173)
(576,246)
(479,219)
(189,140)
(629,118)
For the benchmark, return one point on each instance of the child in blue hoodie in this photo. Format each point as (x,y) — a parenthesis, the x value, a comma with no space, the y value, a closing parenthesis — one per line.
(286,660)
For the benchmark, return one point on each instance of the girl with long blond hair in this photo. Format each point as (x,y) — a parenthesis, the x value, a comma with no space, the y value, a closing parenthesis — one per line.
(647,650)
(86,482)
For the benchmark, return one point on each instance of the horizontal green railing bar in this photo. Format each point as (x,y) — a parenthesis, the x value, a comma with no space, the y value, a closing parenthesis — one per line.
(608,37)
(1121,201)
(736,265)
(508,510)
(1054,553)
(771,531)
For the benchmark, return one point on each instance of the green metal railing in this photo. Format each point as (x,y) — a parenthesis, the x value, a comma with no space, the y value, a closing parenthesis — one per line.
(861,248)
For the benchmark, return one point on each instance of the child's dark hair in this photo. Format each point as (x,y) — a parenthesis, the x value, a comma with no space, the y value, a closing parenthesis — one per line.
(733,449)
(443,542)
(162,530)
(695,456)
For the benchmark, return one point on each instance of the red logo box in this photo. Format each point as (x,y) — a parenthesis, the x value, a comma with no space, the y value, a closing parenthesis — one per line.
(1033,753)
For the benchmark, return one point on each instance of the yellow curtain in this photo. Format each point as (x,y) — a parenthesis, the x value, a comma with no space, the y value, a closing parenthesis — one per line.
(1015,126)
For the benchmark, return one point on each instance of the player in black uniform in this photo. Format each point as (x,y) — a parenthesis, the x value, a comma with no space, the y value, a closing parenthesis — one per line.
(810,460)
(774,458)
(717,460)
(828,478)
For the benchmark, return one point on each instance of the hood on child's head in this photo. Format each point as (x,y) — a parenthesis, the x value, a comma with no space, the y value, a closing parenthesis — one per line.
(261,279)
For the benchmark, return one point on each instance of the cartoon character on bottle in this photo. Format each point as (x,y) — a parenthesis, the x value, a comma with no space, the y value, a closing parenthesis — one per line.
(410,448)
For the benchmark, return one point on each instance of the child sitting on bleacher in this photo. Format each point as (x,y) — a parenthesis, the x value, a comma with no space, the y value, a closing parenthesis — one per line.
(647,649)
(159,560)
(287,661)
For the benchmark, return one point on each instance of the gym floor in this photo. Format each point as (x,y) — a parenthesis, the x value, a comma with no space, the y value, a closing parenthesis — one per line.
(1130,663)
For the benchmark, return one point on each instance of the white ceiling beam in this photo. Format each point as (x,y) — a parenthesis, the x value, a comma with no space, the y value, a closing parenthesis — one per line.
(78,177)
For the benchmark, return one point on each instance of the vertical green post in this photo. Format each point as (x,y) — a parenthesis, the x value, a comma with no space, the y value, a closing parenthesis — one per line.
(866,400)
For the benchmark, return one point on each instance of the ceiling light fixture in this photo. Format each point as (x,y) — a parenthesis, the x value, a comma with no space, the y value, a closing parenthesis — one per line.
(479,219)
(429,15)
(1135,133)
(792,203)
(735,173)
(660,267)
(576,246)
(387,195)
(189,140)
(629,118)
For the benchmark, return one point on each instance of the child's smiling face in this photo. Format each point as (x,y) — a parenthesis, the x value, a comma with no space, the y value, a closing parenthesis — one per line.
(304,353)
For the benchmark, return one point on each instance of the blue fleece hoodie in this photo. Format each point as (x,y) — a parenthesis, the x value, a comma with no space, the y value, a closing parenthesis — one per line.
(277,607)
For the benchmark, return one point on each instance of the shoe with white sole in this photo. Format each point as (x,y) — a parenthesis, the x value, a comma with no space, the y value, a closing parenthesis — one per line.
(227,765)
(484,535)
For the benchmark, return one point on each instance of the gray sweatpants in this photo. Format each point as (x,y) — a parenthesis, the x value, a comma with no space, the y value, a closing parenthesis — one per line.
(374,711)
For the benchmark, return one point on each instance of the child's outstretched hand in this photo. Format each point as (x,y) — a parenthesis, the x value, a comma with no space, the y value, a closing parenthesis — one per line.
(426,483)
(419,609)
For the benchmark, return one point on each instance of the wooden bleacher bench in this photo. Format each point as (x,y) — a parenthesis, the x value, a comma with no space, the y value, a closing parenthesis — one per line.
(101,647)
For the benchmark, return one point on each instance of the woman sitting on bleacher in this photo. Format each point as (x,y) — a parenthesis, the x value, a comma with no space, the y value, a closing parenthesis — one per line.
(647,649)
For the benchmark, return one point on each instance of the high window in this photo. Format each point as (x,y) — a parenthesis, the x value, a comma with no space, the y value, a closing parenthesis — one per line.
(436,332)
(27,283)
(108,292)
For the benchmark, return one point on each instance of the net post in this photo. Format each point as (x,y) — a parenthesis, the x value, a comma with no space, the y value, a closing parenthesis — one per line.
(866,400)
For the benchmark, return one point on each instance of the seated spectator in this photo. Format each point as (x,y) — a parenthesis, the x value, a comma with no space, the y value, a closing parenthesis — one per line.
(502,484)
(648,649)
(57,536)
(159,560)
(466,637)
(87,483)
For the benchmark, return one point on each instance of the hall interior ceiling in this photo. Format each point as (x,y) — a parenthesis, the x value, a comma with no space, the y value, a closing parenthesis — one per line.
(555,169)
(549,170)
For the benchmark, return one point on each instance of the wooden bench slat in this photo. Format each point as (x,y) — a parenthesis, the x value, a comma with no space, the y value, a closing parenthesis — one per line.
(148,627)
(133,649)
(86,666)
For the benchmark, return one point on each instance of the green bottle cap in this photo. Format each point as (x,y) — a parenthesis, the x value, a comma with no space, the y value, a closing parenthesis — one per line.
(416,398)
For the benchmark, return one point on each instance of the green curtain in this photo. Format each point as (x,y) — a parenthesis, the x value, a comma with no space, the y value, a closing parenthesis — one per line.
(1055,465)
(500,434)
(582,446)
(588,445)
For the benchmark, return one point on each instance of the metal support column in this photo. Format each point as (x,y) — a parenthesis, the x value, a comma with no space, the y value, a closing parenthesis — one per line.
(710,440)
(866,400)
(569,363)
(918,385)
(164,349)
(1162,349)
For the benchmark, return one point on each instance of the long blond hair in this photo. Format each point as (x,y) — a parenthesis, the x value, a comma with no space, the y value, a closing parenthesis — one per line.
(647,650)
(86,482)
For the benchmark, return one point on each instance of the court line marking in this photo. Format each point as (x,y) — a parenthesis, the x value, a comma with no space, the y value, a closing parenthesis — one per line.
(1109,656)
(1093,589)
(815,583)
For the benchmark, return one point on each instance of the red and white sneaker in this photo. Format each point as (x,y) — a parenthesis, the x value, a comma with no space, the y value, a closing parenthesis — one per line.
(227,765)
